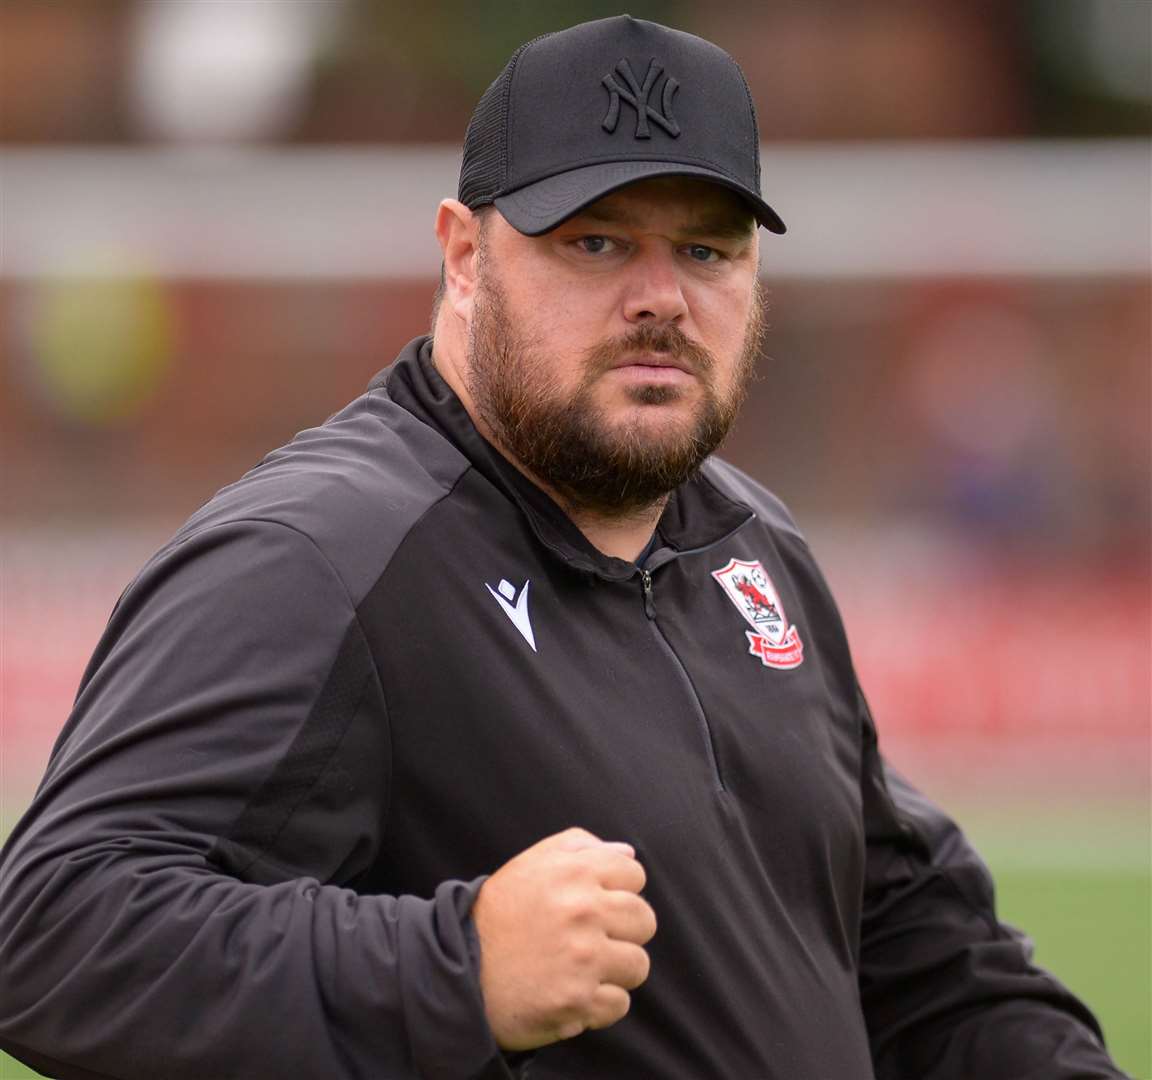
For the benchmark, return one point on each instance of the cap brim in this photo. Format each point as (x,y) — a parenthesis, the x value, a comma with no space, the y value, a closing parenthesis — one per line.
(539,207)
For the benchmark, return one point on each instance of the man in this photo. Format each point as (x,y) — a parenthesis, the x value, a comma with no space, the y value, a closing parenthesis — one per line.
(493,728)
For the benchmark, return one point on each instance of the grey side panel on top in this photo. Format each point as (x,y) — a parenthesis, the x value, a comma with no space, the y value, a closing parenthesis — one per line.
(223,776)
(355,486)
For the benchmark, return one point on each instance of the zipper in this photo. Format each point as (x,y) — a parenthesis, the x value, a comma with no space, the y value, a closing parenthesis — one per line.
(685,678)
(649,604)
(654,562)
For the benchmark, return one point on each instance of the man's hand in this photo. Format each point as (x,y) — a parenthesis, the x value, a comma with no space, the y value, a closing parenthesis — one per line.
(562,929)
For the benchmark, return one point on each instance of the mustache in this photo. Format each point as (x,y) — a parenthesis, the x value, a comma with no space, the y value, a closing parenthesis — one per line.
(667,339)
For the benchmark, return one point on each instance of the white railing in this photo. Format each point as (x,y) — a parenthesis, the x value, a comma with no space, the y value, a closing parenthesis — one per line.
(1053,208)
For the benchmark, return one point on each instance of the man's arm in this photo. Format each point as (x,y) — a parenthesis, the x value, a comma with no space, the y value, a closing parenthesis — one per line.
(172,903)
(949,991)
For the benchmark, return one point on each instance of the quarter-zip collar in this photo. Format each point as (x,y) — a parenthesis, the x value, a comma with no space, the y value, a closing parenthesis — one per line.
(697,515)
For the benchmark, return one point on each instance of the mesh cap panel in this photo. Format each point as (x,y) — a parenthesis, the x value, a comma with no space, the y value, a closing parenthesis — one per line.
(485,165)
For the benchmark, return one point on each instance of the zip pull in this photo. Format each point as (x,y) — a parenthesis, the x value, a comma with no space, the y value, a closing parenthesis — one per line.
(646,581)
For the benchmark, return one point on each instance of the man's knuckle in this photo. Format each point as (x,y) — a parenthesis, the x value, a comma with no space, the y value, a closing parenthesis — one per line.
(643,968)
(570,867)
(622,1007)
(569,1029)
(612,1005)
(574,906)
(582,953)
(575,997)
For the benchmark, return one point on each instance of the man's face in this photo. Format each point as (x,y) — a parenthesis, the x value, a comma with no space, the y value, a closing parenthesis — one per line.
(610,356)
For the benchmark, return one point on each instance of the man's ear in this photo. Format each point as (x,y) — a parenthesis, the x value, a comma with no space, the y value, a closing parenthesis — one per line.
(457,229)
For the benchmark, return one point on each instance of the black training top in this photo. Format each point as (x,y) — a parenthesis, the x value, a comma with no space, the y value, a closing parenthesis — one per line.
(381,664)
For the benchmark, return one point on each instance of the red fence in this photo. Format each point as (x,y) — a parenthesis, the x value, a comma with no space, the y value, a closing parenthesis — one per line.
(1025,677)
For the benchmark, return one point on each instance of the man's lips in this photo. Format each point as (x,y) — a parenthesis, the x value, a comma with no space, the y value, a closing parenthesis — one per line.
(658,365)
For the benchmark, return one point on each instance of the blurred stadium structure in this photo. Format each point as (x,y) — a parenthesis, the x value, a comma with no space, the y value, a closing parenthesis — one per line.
(215,225)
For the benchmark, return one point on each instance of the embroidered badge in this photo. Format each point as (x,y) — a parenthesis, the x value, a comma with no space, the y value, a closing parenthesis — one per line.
(775,640)
(636,94)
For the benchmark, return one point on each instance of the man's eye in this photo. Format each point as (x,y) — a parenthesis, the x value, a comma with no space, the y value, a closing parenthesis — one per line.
(595,245)
(702,253)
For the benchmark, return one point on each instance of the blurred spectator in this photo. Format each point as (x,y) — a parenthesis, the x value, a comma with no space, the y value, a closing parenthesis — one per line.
(900,69)
(212,71)
(358,70)
(993,443)
(61,70)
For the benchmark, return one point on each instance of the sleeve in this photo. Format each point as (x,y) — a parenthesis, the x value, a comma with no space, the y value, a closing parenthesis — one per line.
(179,901)
(949,992)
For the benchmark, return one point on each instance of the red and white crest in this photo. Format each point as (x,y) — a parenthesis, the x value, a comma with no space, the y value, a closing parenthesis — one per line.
(775,640)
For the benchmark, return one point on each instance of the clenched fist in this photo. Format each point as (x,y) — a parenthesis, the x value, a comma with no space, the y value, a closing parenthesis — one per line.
(562,928)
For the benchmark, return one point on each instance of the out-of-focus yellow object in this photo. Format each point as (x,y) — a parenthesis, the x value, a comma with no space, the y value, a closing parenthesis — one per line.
(99,347)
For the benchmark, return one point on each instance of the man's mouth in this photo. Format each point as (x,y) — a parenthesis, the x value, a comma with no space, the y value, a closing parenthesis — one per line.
(664,365)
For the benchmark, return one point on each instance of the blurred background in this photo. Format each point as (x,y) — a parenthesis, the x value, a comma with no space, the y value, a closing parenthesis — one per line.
(216,225)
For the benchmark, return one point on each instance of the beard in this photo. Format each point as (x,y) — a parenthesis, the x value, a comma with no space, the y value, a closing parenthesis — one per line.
(594,464)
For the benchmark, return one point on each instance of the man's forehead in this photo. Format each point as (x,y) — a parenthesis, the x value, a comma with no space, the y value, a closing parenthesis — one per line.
(688,203)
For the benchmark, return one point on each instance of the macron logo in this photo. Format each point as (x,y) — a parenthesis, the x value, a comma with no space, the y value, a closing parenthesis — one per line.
(515,607)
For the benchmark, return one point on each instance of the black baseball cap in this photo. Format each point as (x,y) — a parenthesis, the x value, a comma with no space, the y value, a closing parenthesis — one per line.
(581,112)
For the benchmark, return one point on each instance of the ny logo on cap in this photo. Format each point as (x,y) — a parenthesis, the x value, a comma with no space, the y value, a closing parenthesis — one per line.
(637,96)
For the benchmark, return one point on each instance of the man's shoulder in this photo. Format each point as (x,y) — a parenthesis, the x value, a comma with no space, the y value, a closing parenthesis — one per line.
(354,486)
(738,485)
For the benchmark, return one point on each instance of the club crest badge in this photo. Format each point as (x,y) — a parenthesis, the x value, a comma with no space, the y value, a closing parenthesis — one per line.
(772,638)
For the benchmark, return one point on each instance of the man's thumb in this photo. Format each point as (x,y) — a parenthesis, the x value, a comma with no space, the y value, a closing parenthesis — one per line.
(577,839)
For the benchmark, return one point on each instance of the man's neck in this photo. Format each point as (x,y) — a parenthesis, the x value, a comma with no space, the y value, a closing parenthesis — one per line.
(623,538)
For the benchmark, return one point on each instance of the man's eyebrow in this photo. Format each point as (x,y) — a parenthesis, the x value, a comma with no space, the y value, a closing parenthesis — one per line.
(722,226)
(605,214)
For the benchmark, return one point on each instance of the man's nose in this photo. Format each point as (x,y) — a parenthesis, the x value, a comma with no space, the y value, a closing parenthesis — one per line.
(655,289)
